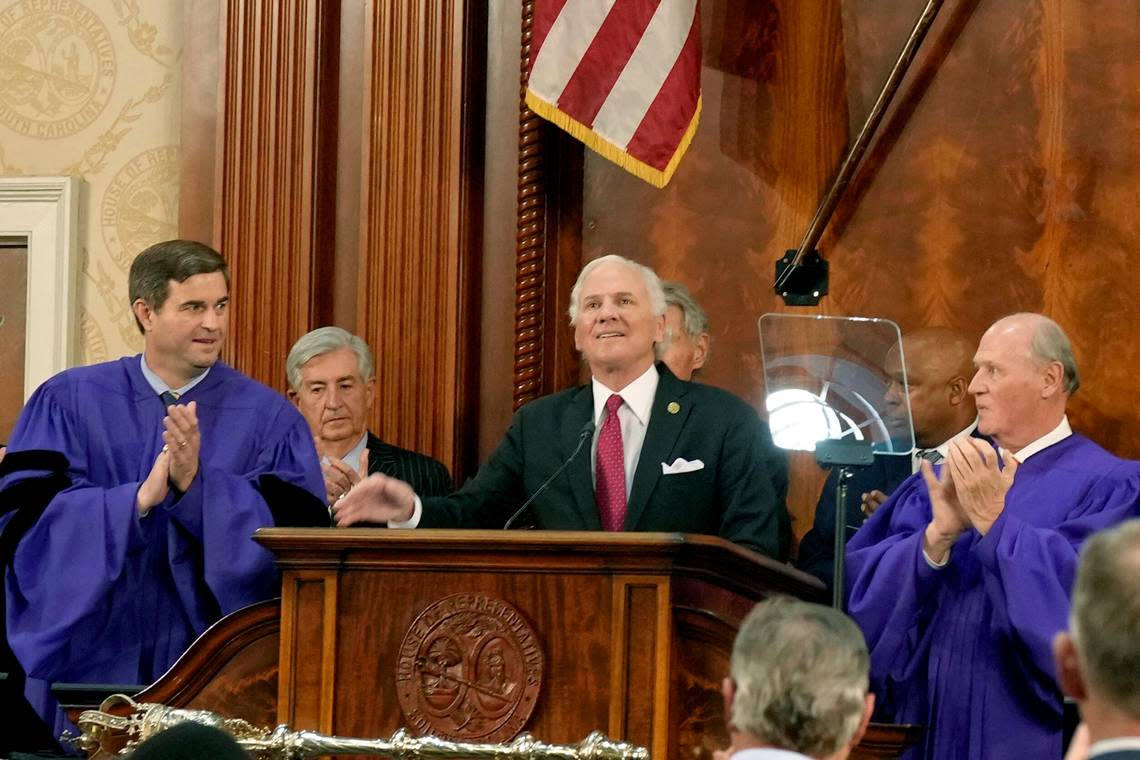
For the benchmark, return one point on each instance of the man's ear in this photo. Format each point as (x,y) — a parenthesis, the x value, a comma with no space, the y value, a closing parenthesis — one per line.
(292,394)
(1052,379)
(868,709)
(143,313)
(700,351)
(958,390)
(369,392)
(1068,661)
(728,691)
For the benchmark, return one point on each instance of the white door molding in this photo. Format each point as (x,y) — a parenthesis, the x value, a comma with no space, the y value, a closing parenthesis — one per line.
(46,211)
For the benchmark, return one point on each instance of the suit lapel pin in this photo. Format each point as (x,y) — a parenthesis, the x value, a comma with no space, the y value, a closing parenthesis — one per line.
(673,407)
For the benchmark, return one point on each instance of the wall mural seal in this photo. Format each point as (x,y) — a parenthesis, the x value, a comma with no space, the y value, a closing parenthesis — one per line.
(57,67)
(140,205)
(469,669)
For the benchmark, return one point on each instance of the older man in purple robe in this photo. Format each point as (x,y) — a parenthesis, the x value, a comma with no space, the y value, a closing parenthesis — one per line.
(173,460)
(961,580)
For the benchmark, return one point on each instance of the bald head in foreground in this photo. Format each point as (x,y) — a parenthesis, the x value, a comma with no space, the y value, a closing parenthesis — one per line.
(1098,658)
(962,578)
(798,687)
(939,364)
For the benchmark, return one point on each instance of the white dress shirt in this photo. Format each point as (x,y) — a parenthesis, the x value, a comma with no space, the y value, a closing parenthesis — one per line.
(637,398)
(1056,435)
(1119,744)
(633,414)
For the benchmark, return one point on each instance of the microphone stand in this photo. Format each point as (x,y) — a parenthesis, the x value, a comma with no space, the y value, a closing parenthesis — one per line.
(847,456)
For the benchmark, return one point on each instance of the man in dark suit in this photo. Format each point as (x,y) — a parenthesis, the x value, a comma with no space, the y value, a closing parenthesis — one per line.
(938,370)
(642,450)
(332,383)
(1098,658)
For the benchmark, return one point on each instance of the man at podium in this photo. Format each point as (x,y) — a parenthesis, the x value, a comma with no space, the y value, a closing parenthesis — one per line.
(636,449)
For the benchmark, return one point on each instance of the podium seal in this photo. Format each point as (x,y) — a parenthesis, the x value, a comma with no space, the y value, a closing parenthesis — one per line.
(469,669)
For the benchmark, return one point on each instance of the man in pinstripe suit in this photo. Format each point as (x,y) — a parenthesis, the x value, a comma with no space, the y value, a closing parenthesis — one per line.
(332,383)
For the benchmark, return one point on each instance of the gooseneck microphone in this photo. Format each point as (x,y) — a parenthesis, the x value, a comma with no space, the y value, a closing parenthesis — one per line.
(584,435)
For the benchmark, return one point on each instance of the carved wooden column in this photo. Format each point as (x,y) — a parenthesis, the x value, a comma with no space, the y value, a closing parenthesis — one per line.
(275,173)
(420,217)
(548,249)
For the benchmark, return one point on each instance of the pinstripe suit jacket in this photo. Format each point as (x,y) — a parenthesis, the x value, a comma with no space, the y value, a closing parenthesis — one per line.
(429,477)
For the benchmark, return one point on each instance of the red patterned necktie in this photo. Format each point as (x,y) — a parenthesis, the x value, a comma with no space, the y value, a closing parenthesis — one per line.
(609,488)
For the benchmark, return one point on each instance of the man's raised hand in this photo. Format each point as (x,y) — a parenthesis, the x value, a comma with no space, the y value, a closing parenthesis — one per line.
(183,442)
(375,499)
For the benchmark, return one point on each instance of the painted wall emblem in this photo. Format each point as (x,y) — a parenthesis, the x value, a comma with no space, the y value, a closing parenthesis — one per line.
(140,206)
(57,67)
(469,669)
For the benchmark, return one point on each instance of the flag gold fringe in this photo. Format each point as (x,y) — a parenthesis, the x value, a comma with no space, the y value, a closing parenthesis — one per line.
(607,149)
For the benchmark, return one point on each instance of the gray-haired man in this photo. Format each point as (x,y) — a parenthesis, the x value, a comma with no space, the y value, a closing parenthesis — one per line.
(685,348)
(1098,658)
(332,383)
(799,684)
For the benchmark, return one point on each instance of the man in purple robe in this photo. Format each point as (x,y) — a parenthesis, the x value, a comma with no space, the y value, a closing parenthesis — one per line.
(962,578)
(174,459)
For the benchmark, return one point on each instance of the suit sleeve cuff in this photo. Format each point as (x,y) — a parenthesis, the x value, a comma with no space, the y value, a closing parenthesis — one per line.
(414,520)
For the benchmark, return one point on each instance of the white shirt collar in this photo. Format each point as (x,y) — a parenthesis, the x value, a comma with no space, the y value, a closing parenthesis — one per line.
(768,753)
(1056,435)
(1118,744)
(159,385)
(638,396)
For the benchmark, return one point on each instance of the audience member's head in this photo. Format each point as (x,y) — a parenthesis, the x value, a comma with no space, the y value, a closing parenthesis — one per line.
(190,741)
(1098,658)
(686,346)
(330,380)
(799,680)
(617,308)
(938,369)
(1025,375)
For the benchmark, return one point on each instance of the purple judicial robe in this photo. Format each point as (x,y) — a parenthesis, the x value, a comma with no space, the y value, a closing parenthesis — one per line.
(966,649)
(97,595)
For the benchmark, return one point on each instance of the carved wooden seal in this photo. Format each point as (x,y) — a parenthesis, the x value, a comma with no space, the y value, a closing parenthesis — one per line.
(469,669)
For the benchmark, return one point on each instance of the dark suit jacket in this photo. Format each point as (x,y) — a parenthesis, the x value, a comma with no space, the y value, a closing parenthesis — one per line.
(1123,754)
(732,496)
(817,549)
(427,476)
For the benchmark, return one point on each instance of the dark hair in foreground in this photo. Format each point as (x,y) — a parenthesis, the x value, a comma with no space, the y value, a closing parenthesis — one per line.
(178,260)
(801,676)
(190,741)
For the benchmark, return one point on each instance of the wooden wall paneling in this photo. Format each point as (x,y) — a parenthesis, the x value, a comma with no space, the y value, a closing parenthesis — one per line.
(199,135)
(418,280)
(548,245)
(275,178)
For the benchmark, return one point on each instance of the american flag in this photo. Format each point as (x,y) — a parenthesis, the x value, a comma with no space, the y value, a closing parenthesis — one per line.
(622,76)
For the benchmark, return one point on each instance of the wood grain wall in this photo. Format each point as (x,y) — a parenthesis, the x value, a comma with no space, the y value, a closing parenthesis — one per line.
(1003,180)
(362,210)
(334,152)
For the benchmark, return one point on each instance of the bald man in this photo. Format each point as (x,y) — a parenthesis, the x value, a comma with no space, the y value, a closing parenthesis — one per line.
(961,579)
(938,369)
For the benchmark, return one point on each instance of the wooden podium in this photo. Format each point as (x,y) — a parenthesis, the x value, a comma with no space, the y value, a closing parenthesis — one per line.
(480,634)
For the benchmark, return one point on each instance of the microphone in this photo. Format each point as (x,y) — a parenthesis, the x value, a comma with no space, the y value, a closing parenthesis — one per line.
(583,435)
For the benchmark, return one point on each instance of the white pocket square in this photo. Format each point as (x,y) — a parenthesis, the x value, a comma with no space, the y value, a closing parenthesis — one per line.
(681,465)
